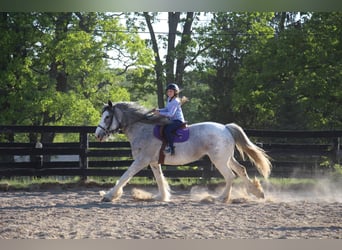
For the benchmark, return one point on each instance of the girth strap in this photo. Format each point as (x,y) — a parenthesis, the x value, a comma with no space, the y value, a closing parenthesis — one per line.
(161,153)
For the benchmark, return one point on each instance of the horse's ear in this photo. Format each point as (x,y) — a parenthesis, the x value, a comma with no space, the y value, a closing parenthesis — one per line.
(110,104)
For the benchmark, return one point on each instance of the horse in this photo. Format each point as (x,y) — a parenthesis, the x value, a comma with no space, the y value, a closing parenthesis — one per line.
(215,140)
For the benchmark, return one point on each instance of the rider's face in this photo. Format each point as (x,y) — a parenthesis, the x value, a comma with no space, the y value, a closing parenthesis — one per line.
(170,93)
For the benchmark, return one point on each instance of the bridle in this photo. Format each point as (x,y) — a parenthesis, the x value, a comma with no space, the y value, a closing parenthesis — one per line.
(107,130)
(120,128)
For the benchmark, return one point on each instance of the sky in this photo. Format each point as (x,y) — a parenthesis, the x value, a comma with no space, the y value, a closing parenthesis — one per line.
(160,28)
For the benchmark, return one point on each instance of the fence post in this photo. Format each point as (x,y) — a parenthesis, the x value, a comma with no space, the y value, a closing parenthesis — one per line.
(84,144)
(207,172)
(338,153)
(39,158)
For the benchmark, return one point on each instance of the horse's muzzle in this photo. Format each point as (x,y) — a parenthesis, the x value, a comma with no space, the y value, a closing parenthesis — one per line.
(100,133)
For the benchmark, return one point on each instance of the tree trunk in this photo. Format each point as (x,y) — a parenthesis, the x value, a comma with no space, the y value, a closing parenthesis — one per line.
(186,38)
(57,71)
(171,51)
(159,65)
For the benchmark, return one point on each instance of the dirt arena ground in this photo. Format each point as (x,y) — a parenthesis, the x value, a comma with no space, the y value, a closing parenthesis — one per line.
(77,213)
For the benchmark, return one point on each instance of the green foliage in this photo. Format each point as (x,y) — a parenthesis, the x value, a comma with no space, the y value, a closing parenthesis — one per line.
(293,80)
(259,69)
(197,91)
(55,69)
(140,84)
(231,36)
(337,174)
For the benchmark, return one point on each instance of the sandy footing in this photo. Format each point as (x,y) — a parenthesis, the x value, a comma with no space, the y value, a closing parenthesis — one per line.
(79,214)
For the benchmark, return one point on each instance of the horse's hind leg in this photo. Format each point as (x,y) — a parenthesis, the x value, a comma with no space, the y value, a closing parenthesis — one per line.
(229,177)
(252,186)
(227,174)
(163,186)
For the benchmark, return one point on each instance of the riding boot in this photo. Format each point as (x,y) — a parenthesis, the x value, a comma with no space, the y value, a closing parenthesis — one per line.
(170,150)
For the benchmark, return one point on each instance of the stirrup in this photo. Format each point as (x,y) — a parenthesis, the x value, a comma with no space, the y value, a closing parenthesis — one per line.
(169,150)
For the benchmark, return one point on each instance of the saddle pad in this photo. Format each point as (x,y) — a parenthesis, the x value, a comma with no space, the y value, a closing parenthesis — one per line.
(181,134)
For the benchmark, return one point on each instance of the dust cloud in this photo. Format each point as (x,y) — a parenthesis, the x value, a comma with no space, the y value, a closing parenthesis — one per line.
(322,190)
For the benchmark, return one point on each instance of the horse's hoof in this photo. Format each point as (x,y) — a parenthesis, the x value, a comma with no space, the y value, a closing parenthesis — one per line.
(208,200)
(105,199)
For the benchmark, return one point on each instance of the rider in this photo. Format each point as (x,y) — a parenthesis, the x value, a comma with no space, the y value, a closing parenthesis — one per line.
(173,111)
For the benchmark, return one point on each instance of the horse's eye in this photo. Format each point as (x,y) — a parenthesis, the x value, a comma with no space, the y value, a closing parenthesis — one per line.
(107,117)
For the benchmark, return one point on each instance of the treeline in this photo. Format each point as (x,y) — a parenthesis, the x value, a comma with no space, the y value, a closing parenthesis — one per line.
(262,70)
(271,71)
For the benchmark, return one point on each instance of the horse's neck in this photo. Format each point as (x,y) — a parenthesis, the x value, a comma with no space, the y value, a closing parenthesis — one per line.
(137,130)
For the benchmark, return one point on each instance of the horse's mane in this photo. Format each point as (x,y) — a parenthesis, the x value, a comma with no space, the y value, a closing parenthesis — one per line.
(133,112)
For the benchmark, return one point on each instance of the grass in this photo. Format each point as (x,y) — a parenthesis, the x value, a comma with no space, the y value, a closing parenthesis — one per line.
(34,183)
(22,183)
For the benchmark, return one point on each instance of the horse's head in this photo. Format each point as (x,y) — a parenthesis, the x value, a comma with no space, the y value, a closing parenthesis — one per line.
(109,123)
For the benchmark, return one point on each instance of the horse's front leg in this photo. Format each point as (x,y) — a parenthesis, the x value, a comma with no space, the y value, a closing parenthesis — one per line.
(116,192)
(163,186)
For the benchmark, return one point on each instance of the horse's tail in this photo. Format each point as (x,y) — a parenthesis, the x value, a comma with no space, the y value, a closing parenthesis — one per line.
(255,154)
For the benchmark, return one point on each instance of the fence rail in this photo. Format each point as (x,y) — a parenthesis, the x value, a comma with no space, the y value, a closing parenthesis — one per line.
(295,156)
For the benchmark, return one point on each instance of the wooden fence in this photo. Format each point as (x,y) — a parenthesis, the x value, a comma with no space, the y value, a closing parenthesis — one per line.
(294,154)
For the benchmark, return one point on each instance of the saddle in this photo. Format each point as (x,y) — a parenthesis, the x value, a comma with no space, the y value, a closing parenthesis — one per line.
(180,135)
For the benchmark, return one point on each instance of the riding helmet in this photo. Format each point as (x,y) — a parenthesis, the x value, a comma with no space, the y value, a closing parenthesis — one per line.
(173,86)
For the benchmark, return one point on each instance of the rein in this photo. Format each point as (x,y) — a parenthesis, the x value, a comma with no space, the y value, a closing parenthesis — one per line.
(107,131)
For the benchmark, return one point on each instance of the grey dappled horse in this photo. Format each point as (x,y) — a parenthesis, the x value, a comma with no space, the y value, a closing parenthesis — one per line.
(216,140)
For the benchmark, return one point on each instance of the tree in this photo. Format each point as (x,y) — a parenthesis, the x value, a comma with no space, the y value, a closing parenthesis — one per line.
(293,80)
(55,67)
(158,62)
(176,54)
(234,35)
(18,83)
(319,84)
